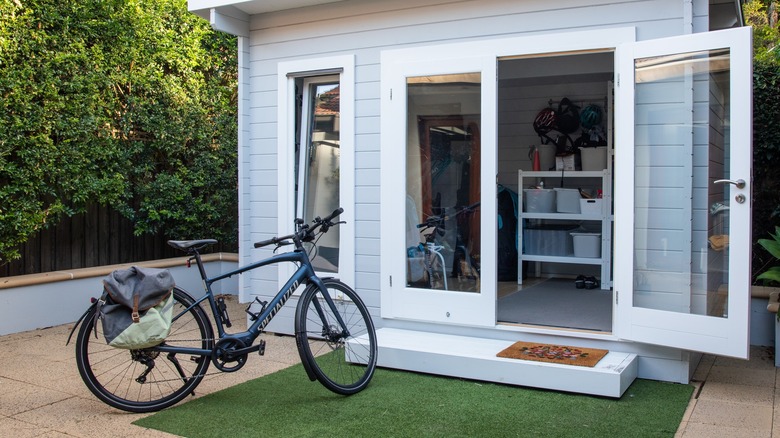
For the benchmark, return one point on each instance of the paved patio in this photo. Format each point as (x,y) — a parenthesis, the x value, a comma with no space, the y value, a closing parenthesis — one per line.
(735,398)
(42,395)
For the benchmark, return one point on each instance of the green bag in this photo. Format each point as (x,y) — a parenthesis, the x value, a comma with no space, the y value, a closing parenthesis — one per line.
(136,309)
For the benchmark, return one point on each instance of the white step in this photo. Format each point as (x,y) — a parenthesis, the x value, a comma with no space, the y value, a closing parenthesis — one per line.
(475,358)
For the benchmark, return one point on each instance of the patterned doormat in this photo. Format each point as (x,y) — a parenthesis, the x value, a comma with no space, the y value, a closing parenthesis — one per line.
(583,357)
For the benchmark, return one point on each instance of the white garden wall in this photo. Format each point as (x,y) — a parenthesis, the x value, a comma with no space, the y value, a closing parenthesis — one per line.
(34,301)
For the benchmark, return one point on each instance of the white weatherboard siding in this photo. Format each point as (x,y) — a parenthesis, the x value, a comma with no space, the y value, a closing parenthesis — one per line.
(365,29)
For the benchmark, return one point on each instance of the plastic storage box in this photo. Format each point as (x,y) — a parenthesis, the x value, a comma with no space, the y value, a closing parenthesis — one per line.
(567,200)
(550,240)
(539,200)
(586,244)
(591,207)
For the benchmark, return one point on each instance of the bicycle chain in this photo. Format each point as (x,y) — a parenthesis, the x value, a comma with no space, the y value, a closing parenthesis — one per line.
(194,375)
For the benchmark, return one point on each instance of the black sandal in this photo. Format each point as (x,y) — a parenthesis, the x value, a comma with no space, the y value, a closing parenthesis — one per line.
(579,283)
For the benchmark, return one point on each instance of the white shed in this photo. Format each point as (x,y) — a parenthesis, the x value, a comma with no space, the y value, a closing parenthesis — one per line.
(572,173)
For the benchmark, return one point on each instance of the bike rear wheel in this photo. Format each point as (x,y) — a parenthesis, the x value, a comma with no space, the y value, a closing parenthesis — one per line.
(343,362)
(146,380)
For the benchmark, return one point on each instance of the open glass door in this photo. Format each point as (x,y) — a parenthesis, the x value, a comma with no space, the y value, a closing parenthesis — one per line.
(682,197)
(437,115)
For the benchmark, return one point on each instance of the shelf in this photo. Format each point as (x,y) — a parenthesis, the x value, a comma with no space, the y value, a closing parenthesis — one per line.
(564,173)
(563,216)
(562,259)
(604,217)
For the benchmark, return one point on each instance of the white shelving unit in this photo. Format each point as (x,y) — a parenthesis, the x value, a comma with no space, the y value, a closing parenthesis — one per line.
(604,217)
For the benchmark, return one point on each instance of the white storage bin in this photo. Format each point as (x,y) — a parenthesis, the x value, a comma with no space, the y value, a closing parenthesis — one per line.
(586,244)
(539,200)
(591,207)
(549,240)
(567,200)
(594,158)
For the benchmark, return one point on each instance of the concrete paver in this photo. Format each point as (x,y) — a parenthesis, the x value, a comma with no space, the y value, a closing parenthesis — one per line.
(734,398)
(42,395)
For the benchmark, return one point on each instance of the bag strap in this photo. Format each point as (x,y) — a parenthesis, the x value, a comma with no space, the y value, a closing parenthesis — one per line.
(98,306)
(136,299)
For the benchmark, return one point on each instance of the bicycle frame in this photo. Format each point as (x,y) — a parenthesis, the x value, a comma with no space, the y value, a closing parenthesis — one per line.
(304,274)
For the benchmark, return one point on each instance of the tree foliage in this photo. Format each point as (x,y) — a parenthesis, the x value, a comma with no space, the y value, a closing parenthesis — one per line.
(122,102)
(762,15)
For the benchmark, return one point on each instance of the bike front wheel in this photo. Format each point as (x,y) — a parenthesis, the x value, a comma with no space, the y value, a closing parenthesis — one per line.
(146,380)
(342,358)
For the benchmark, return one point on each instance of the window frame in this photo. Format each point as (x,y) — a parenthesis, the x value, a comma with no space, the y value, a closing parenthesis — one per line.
(287,74)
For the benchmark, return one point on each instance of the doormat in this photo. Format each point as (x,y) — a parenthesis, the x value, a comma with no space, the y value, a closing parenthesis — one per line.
(583,357)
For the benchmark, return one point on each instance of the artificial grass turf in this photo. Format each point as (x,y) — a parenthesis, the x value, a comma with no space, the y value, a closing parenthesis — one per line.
(404,404)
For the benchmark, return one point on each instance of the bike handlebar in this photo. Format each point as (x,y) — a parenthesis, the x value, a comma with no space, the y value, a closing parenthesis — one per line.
(304,233)
(272,241)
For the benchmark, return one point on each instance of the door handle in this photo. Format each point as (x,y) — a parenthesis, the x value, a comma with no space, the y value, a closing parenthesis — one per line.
(740,183)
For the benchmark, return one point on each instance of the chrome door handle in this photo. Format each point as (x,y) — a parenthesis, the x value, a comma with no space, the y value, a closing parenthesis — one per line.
(740,183)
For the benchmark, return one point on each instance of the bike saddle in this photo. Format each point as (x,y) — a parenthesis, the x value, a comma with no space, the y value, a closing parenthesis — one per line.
(185,245)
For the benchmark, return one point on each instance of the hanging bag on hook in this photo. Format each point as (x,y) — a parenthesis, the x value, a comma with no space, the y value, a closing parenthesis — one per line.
(568,116)
(136,309)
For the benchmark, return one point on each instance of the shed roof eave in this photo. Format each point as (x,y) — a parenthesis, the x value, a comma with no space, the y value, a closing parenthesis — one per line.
(251,7)
(226,19)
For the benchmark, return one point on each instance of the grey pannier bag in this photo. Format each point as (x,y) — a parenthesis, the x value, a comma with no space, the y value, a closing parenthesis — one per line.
(136,308)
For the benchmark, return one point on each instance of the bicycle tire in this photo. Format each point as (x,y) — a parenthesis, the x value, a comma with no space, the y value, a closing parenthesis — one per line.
(344,365)
(112,374)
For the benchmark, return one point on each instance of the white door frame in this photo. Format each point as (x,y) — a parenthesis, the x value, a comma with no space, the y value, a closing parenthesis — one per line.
(401,302)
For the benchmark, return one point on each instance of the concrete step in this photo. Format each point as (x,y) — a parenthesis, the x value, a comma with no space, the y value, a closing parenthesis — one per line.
(475,358)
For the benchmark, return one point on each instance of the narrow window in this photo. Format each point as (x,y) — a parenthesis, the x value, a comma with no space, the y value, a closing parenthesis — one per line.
(317,168)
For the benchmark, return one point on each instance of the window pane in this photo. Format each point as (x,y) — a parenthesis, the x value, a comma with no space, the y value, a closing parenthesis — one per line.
(320,167)
(443,182)
(681,216)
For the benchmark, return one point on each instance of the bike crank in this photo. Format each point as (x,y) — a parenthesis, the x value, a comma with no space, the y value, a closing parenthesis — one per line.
(229,355)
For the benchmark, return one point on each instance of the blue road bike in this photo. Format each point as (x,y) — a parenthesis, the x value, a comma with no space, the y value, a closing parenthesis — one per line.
(334,333)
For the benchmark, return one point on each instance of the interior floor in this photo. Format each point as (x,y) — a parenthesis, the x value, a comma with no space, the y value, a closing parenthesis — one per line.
(555,302)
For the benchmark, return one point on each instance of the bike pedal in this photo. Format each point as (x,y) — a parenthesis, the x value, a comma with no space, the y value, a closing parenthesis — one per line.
(261,348)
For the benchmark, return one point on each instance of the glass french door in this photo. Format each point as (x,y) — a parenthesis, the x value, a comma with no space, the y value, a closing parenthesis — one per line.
(682,197)
(438,146)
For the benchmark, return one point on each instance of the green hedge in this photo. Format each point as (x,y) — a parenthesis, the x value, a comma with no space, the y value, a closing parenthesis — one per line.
(766,159)
(126,103)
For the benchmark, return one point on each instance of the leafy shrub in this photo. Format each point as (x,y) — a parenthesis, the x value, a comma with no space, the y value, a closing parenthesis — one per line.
(766,158)
(773,247)
(127,103)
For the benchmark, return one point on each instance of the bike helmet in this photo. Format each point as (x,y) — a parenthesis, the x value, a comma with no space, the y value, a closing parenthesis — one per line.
(545,121)
(590,116)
